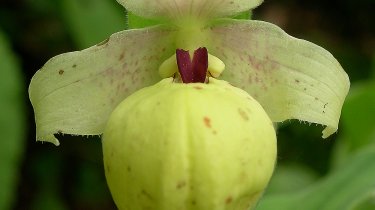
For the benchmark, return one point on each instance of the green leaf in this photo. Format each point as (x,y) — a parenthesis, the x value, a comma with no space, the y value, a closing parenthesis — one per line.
(341,190)
(49,195)
(92,21)
(12,123)
(135,21)
(290,177)
(358,126)
(48,200)
(367,203)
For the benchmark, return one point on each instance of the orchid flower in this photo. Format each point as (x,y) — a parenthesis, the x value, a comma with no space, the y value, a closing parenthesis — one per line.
(74,93)
(77,93)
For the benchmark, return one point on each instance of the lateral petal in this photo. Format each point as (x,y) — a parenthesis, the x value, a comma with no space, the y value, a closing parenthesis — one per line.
(74,93)
(291,78)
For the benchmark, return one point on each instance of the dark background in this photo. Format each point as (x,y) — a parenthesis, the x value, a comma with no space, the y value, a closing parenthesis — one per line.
(71,176)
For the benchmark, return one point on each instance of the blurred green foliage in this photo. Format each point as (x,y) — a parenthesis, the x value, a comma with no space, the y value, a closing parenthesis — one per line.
(312,173)
(12,122)
(360,126)
(90,21)
(342,189)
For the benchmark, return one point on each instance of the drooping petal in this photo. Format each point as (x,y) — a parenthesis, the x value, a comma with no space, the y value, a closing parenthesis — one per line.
(291,78)
(194,8)
(74,93)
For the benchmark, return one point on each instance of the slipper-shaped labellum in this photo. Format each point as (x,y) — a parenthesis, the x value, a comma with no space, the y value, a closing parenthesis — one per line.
(176,136)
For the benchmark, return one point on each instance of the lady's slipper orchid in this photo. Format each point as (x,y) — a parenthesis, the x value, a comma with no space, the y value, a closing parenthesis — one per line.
(75,93)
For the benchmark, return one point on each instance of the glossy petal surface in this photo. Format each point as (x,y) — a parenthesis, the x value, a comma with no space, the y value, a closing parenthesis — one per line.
(182,8)
(291,78)
(74,93)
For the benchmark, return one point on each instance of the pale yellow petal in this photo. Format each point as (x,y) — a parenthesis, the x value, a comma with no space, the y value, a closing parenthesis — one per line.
(74,93)
(291,78)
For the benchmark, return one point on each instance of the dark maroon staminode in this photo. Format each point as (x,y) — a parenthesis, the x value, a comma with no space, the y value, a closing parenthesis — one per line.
(192,71)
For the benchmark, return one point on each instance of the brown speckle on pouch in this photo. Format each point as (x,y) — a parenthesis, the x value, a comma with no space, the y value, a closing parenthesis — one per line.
(74,65)
(180,184)
(61,72)
(296,80)
(243,114)
(228,200)
(207,122)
